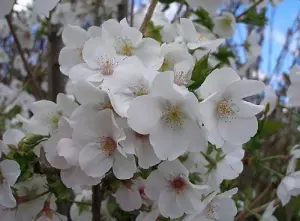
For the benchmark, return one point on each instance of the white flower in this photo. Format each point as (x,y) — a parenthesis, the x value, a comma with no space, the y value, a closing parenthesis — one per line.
(170,186)
(10,137)
(293,91)
(4,28)
(46,114)
(218,208)
(130,194)
(63,153)
(129,41)
(74,39)
(169,118)
(270,98)
(294,156)
(48,214)
(132,79)
(228,168)
(101,63)
(289,186)
(226,115)
(174,53)
(44,7)
(149,216)
(102,150)
(251,45)
(225,25)
(141,147)
(268,214)
(25,37)
(3,56)
(195,39)
(6,6)
(80,212)
(9,173)
(63,14)
(210,6)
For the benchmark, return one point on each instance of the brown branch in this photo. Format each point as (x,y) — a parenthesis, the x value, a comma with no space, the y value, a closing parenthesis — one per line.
(132,12)
(36,87)
(148,16)
(261,196)
(263,207)
(248,9)
(96,202)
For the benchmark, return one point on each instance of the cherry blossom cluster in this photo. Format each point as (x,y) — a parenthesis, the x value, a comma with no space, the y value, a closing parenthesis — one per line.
(131,122)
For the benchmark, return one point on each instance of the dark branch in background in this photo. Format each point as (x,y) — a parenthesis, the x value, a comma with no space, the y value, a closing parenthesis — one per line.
(132,12)
(96,202)
(36,87)
(248,9)
(148,16)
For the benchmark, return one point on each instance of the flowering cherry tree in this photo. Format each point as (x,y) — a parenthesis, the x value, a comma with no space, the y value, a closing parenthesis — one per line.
(159,119)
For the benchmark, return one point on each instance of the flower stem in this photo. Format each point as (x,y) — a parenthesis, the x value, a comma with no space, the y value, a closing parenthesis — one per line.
(148,15)
(248,9)
(274,157)
(272,171)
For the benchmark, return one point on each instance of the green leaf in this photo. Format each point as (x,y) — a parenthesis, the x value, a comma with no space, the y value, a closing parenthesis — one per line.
(252,17)
(204,18)
(200,72)
(270,127)
(13,112)
(153,32)
(223,54)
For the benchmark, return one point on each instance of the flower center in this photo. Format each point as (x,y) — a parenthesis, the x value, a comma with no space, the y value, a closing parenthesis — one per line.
(79,50)
(178,184)
(211,210)
(139,90)
(173,116)
(127,183)
(107,65)
(108,145)
(224,109)
(202,37)
(126,49)
(180,78)
(141,137)
(108,105)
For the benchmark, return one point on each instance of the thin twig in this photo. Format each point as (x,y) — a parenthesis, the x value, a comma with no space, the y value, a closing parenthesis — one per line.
(148,16)
(132,12)
(244,214)
(36,87)
(248,9)
(263,207)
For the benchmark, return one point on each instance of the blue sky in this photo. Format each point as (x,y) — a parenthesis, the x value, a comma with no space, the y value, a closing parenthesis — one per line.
(283,17)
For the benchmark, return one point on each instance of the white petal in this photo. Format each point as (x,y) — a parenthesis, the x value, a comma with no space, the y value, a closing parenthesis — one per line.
(93,162)
(80,72)
(6,198)
(67,149)
(146,155)
(10,171)
(66,104)
(173,168)
(189,201)
(74,36)
(74,176)
(68,58)
(143,114)
(154,184)
(168,206)
(128,199)
(247,109)
(238,130)
(13,137)
(218,80)
(244,88)
(124,168)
